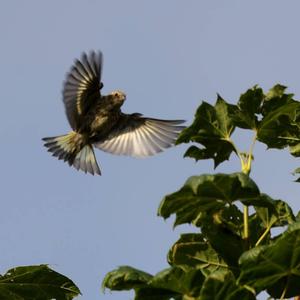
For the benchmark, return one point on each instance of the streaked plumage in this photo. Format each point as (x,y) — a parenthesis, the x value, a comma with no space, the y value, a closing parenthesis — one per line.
(97,121)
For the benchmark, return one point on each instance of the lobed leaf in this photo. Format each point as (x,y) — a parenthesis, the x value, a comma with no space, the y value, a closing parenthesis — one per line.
(212,128)
(279,126)
(206,194)
(278,214)
(249,107)
(171,283)
(186,283)
(223,286)
(193,251)
(274,267)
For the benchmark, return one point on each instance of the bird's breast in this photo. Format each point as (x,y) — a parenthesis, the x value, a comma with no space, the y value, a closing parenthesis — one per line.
(102,123)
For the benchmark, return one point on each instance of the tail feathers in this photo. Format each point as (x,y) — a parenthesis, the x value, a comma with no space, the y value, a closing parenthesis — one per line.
(85,160)
(70,148)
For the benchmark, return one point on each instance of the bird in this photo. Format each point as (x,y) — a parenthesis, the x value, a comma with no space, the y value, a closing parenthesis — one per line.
(98,122)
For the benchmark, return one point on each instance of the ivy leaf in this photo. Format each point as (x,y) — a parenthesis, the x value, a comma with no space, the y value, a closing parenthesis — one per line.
(279,126)
(212,128)
(125,278)
(36,282)
(206,194)
(249,106)
(275,267)
(193,251)
(223,286)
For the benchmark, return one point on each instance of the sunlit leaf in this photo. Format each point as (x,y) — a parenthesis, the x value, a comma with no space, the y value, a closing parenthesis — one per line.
(274,267)
(36,282)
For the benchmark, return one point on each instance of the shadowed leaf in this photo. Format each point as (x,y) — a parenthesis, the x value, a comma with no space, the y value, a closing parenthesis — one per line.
(125,278)
(36,282)
(275,267)
(280,127)
(206,194)
(187,283)
(249,106)
(193,251)
(279,214)
(211,128)
(222,286)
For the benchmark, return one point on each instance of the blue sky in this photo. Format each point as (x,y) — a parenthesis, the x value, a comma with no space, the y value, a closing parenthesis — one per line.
(167,56)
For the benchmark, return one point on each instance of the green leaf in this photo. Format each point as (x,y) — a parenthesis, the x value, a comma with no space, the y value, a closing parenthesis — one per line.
(229,245)
(212,128)
(125,278)
(256,230)
(279,127)
(275,267)
(193,251)
(249,106)
(187,283)
(172,283)
(276,92)
(261,200)
(150,293)
(222,286)
(206,194)
(278,214)
(36,282)
(231,218)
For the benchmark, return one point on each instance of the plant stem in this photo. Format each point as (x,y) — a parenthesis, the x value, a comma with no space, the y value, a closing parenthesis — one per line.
(283,293)
(249,160)
(246,168)
(246,222)
(263,235)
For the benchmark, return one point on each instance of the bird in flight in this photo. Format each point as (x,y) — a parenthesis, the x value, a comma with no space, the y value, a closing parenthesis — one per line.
(97,121)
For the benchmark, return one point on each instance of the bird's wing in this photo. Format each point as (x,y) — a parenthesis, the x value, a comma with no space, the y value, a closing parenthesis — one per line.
(82,87)
(137,136)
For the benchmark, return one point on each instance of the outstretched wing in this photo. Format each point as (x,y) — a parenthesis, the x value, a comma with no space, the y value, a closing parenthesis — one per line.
(137,136)
(82,87)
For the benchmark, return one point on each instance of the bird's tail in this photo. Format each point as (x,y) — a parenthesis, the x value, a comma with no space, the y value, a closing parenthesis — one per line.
(72,148)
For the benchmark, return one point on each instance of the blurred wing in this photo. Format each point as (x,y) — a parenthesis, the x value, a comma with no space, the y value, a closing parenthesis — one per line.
(82,87)
(140,137)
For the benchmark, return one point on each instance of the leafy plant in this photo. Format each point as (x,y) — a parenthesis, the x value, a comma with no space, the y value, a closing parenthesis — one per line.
(234,255)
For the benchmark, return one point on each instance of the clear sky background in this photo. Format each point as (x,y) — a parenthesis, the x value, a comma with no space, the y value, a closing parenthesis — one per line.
(167,56)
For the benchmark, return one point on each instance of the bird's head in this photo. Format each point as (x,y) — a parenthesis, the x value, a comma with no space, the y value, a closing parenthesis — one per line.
(118,97)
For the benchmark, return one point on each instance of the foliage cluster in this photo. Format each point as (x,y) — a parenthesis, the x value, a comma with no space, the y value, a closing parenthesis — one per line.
(234,255)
